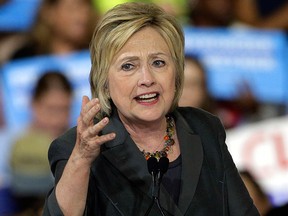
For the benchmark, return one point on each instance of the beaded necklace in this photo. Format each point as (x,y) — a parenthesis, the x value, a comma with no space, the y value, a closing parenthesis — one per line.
(169,141)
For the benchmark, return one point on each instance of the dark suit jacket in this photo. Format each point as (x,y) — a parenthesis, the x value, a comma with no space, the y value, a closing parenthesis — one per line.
(121,185)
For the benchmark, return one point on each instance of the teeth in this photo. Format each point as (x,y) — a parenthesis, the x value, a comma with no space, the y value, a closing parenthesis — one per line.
(147,96)
(149,100)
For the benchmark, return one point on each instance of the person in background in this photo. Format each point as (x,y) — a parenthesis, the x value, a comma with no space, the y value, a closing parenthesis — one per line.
(195,89)
(61,27)
(264,14)
(260,198)
(30,172)
(244,108)
(177,8)
(207,13)
(196,94)
(133,118)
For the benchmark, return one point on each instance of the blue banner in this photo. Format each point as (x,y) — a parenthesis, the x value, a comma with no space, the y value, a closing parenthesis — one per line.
(18,15)
(236,57)
(19,78)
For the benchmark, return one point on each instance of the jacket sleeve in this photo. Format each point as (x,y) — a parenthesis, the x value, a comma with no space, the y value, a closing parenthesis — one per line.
(238,201)
(58,155)
(51,207)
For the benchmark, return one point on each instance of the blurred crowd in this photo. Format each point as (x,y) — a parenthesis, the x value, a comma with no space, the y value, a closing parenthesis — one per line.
(63,27)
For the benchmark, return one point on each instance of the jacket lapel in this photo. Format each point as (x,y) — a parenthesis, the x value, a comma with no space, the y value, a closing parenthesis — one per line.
(125,156)
(192,158)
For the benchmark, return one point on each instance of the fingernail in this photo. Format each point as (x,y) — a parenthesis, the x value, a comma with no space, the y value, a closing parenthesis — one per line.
(95,100)
(105,120)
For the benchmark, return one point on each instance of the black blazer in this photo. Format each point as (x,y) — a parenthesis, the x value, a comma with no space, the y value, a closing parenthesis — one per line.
(121,185)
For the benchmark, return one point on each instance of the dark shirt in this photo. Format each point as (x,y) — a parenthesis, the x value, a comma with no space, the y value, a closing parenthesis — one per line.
(172,179)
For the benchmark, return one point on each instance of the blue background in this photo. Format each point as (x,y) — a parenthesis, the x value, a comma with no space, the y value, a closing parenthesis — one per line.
(18,15)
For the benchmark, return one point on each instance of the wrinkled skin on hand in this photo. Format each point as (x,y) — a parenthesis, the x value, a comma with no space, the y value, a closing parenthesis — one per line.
(88,141)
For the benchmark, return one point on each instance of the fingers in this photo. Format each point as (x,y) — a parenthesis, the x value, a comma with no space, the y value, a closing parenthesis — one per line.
(88,138)
(91,135)
(95,129)
(89,109)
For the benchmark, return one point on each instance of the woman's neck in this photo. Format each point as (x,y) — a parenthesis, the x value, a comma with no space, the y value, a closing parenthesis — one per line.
(148,136)
(62,47)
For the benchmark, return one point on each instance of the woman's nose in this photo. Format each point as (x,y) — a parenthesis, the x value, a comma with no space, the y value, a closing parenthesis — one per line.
(146,77)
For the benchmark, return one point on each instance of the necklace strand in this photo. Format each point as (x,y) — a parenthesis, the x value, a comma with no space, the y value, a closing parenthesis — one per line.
(168,142)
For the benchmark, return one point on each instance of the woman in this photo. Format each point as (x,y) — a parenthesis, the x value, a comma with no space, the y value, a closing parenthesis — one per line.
(31,178)
(195,88)
(263,14)
(61,27)
(100,167)
(260,198)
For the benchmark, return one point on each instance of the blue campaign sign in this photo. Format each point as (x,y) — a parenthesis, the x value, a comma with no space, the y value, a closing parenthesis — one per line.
(18,15)
(19,77)
(237,57)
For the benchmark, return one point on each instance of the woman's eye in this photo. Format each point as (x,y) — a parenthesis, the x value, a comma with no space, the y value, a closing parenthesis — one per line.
(127,67)
(159,63)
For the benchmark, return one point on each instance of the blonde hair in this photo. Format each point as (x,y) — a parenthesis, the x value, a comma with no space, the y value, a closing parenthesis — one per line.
(114,30)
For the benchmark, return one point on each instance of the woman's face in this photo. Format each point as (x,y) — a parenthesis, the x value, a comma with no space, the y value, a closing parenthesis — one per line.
(52,112)
(142,77)
(70,20)
(194,90)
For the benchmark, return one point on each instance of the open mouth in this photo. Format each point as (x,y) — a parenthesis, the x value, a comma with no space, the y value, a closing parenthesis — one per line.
(147,98)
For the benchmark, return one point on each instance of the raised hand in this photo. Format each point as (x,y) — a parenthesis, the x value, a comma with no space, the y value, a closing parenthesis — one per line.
(88,139)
